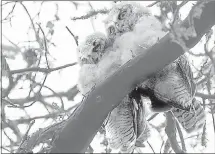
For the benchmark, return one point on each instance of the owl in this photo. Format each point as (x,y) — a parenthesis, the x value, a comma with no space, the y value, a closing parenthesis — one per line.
(122,18)
(126,123)
(174,83)
(191,121)
(97,61)
(92,48)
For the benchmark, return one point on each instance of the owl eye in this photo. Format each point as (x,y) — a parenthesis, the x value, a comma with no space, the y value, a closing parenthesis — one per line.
(94,43)
(84,60)
(111,30)
(97,47)
(121,16)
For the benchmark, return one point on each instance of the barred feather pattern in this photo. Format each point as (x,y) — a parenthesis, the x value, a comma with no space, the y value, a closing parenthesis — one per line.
(193,120)
(146,133)
(127,121)
(126,125)
(120,127)
(174,84)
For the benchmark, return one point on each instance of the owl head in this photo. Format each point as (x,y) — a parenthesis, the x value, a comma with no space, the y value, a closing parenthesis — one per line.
(123,17)
(92,48)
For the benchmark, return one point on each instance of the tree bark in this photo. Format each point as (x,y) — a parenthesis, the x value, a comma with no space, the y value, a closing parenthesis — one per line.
(89,116)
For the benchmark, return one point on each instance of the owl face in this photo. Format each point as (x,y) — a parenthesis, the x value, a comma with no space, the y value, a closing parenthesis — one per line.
(92,49)
(123,17)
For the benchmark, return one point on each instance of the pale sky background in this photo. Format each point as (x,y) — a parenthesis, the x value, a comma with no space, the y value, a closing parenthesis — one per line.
(65,53)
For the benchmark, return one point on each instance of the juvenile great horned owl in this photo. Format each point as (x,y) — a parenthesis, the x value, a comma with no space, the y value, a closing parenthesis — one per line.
(97,61)
(127,18)
(123,17)
(92,49)
(126,123)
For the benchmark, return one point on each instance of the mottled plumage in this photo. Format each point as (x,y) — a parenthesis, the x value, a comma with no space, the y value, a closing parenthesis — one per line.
(131,27)
(97,61)
(193,120)
(122,18)
(130,18)
(92,48)
(126,123)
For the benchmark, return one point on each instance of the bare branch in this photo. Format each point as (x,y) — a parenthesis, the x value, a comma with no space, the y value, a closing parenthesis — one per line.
(150,5)
(32,24)
(48,116)
(171,132)
(109,93)
(91,14)
(181,136)
(44,70)
(205,96)
(10,12)
(25,137)
(75,37)
(152,117)
(45,44)
(151,147)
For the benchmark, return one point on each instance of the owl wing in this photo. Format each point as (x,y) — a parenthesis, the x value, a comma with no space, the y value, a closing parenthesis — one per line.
(174,84)
(193,120)
(187,74)
(120,130)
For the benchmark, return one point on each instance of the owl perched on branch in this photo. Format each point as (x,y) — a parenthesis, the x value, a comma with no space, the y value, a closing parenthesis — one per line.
(126,124)
(128,21)
(133,28)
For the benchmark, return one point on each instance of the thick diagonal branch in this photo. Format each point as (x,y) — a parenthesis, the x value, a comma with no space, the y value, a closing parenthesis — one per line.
(89,116)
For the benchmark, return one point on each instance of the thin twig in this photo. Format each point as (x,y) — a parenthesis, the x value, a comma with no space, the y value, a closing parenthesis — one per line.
(205,96)
(150,5)
(54,93)
(150,146)
(26,134)
(152,117)
(75,37)
(45,44)
(176,13)
(181,136)
(171,132)
(44,70)
(91,19)
(9,2)
(161,146)
(91,14)
(6,149)
(47,116)
(32,23)
(10,11)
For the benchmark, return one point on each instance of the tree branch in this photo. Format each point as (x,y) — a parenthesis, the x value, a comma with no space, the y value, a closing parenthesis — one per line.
(91,14)
(108,94)
(38,69)
(171,132)
(205,96)
(181,136)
